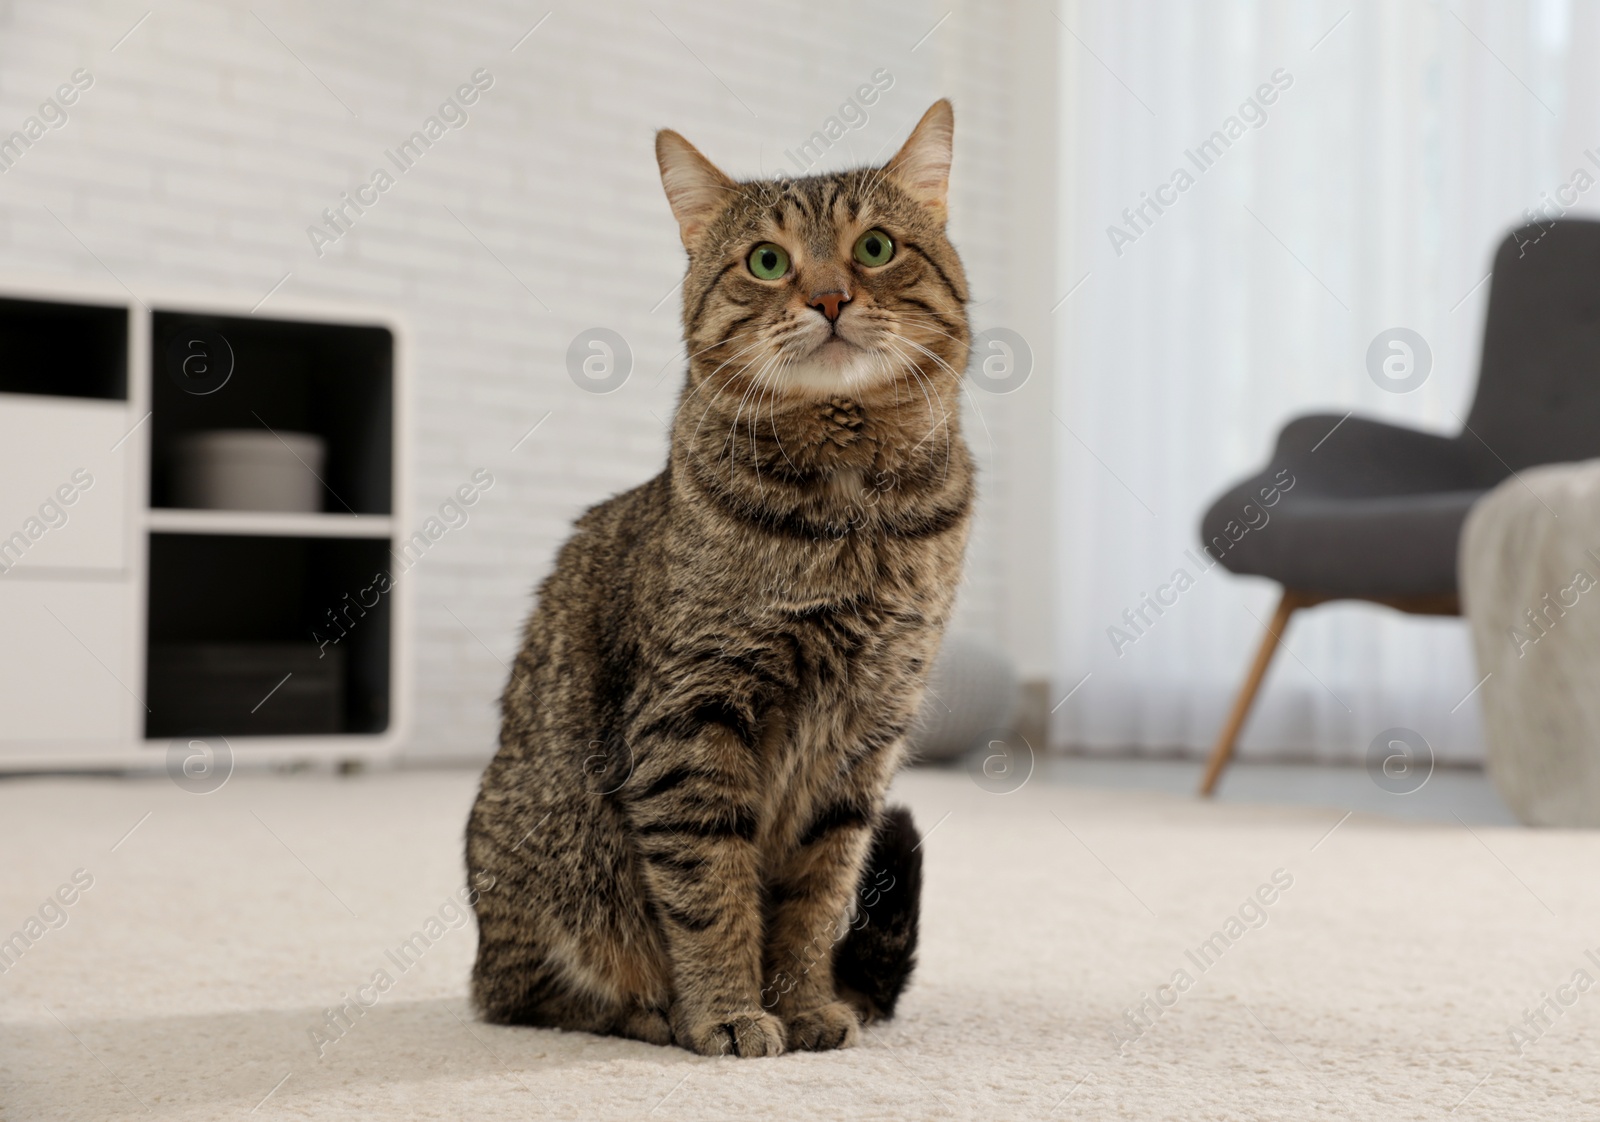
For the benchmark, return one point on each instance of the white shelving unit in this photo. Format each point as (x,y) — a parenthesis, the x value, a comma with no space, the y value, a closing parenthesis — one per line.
(174,520)
(127,624)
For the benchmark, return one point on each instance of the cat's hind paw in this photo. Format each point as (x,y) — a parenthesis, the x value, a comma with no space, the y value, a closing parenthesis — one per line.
(648,1025)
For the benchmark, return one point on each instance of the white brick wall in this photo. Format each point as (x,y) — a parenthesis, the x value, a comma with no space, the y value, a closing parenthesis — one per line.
(205,149)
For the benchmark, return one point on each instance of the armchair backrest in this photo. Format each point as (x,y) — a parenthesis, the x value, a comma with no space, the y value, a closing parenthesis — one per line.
(1538,398)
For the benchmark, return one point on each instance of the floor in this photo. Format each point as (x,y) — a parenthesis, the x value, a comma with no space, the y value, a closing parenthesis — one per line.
(1088,953)
(1445,795)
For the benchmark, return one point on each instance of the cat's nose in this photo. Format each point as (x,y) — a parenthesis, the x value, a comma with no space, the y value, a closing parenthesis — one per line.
(829,302)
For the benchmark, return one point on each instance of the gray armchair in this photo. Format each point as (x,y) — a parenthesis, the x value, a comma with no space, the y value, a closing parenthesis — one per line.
(1372,511)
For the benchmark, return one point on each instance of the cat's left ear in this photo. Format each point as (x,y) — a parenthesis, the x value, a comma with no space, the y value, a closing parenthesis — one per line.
(696,190)
(922,166)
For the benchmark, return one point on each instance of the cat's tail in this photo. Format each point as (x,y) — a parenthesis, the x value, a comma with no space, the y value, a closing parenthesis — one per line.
(874,961)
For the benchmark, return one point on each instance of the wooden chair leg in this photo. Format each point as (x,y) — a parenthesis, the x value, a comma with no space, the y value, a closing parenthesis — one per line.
(1222,752)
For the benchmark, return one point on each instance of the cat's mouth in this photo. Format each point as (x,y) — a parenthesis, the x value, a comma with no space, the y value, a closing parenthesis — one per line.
(835,364)
(844,343)
(836,350)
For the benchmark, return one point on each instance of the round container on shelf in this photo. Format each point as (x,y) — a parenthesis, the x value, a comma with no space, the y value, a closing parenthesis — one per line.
(248,469)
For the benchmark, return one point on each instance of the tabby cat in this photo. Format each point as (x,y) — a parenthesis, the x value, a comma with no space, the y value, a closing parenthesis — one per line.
(685,821)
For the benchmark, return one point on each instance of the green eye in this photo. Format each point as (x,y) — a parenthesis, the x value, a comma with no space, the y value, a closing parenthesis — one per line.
(768,261)
(874,248)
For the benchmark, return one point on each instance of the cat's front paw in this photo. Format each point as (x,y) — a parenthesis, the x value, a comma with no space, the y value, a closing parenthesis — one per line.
(741,1033)
(834,1025)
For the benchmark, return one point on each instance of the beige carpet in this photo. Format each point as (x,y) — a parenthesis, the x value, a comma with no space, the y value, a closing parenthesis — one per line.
(187,981)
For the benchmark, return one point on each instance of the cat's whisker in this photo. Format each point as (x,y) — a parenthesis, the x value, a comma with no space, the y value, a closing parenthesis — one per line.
(733,357)
(709,377)
(720,389)
(943,422)
(954,373)
(944,408)
(760,386)
(769,386)
(773,418)
(925,384)
(773,379)
(965,343)
(694,440)
(959,382)
(733,428)
(689,359)
(922,324)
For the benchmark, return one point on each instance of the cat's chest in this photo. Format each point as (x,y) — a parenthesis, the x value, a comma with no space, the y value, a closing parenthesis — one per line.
(859,580)
(852,645)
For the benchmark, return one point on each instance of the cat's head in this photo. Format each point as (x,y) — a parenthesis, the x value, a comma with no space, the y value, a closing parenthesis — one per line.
(827,286)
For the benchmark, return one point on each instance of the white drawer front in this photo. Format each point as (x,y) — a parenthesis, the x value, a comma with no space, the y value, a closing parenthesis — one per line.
(64,483)
(64,660)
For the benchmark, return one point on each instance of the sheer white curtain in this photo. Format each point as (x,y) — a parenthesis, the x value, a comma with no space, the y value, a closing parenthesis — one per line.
(1400,143)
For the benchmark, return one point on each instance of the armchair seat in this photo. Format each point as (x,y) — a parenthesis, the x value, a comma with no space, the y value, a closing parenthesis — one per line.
(1376,547)
(1353,507)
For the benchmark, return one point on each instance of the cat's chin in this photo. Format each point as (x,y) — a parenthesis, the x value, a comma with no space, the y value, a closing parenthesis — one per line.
(836,368)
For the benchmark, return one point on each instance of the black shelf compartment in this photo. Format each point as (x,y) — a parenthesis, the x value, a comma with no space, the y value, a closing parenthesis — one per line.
(63,350)
(333,380)
(231,615)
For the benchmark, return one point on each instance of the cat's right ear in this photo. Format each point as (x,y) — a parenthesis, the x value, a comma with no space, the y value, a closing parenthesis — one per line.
(696,190)
(922,166)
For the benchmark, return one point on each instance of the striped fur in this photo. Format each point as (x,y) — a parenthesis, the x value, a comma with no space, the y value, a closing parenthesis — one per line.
(714,688)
